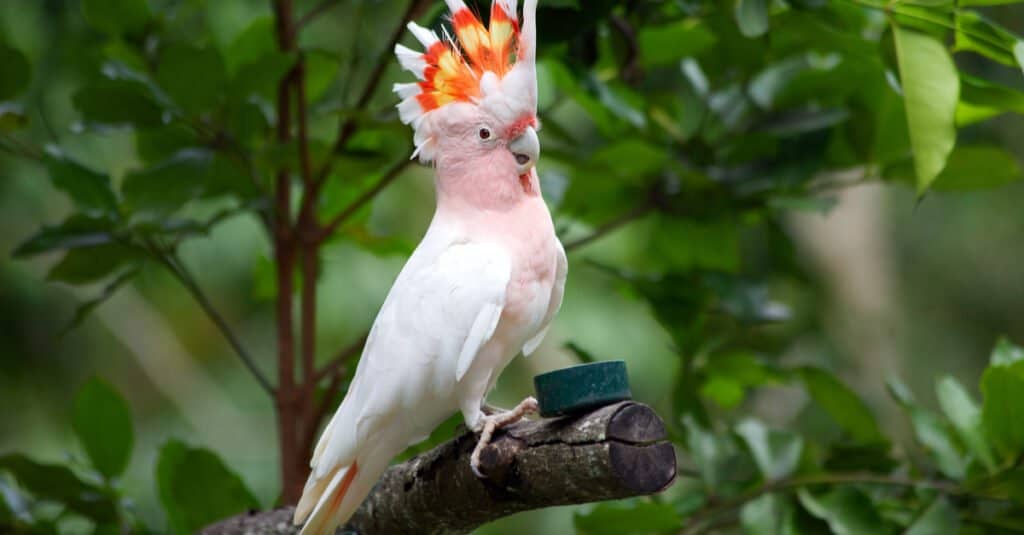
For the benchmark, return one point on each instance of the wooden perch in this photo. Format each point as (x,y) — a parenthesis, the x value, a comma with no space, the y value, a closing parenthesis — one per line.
(613,452)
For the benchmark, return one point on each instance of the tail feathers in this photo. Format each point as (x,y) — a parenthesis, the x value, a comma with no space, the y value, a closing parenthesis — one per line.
(330,494)
(312,492)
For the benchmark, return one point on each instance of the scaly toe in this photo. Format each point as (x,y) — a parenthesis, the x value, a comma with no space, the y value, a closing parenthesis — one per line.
(476,470)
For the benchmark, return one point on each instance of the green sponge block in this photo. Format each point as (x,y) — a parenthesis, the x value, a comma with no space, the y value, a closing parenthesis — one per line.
(581,388)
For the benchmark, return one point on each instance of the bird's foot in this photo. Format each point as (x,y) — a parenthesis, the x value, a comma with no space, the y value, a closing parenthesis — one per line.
(489,424)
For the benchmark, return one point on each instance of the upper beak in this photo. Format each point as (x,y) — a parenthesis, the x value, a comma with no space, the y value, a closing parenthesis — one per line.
(526,149)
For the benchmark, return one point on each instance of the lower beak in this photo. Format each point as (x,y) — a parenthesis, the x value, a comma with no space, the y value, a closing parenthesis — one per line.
(526,150)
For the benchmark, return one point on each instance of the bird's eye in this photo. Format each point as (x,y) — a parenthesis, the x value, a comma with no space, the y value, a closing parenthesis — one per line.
(484,133)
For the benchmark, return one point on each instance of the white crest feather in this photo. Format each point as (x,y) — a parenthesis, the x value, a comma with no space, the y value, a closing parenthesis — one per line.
(426,37)
(411,60)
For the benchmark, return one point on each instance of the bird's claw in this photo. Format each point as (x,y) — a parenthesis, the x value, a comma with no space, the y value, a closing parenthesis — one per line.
(488,424)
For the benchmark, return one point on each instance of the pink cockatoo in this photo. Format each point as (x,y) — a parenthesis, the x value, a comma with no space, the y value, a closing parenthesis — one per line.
(484,283)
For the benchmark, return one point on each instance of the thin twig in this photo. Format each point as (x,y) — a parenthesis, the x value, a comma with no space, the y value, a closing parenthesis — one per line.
(177,268)
(610,226)
(387,178)
(631,63)
(317,10)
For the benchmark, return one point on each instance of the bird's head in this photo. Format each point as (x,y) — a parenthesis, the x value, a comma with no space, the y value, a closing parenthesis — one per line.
(474,108)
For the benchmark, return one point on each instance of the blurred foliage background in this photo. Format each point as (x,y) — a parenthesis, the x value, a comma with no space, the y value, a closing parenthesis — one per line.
(760,197)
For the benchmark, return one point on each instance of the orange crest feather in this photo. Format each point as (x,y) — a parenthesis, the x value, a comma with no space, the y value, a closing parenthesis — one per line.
(450,71)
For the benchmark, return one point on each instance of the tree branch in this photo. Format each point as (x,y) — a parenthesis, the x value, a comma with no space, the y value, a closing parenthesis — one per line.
(611,226)
(178,269)
(287,401)
(613,452)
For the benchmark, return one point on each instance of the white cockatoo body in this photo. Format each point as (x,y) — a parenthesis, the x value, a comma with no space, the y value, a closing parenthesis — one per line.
(482,285)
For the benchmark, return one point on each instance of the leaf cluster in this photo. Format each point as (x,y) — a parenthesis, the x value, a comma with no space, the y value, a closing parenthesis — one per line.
(195,487)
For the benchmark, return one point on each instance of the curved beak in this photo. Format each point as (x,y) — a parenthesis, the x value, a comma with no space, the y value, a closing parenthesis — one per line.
(526,150)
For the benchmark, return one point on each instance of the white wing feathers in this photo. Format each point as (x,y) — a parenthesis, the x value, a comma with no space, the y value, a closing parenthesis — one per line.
(444,306)
(481,331)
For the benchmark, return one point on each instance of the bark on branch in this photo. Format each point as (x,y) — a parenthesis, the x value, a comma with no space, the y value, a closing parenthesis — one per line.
(613,452)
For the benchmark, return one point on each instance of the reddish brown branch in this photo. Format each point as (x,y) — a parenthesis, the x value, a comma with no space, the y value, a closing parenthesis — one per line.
(284,256)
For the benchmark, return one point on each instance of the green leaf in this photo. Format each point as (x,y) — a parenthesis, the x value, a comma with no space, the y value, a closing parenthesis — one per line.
(710,453)
(630,158)
(197,489)
(931,432)
(808,79)
(623,518)
(846,510)
(188,175)
(685,244)
(938,519)
(976,33)
(1006,353)
(12,117)
(729,376)
(777,453)
(90,190)
(1005,484)
(1003,391)
(321,70)
(86,265)
(261,76)
(978,167)
(964,414)
(15,72)
(669,43)
(986,2)
(842,405)
(168,462)
(155,145)
(981,99)
(116,17)
(59,484)
(78,230)
(752,17)
(103,424)
(1018,54)
(931,90)
(255,41)
(194,77)
(724,391)
(117,102)
(767,515)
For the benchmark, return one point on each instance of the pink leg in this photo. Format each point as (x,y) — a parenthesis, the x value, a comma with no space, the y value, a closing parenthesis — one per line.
(489,424)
